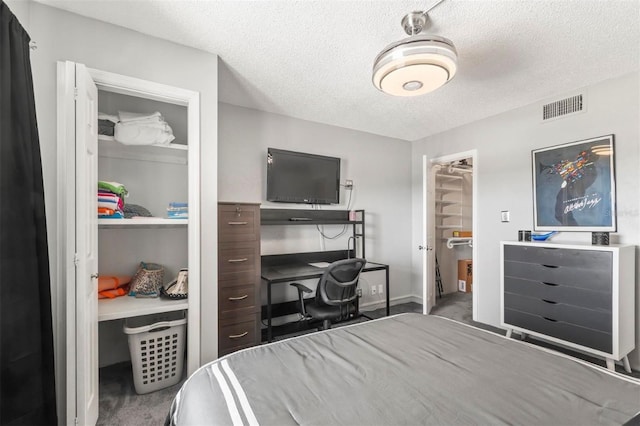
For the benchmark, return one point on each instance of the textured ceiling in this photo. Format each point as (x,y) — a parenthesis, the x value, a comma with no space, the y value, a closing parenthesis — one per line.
(312,59)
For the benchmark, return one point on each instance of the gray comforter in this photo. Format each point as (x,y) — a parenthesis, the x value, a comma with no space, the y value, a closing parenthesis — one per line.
(406,369)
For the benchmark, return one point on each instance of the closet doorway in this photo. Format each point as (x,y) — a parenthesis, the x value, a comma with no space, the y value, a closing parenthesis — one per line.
(450,236)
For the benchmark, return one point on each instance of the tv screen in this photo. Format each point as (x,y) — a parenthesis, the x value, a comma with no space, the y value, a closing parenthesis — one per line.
(297,177)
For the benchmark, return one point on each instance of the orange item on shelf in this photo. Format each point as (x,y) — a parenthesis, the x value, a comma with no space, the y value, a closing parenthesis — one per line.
(110,287)
(111,294)
(105,211)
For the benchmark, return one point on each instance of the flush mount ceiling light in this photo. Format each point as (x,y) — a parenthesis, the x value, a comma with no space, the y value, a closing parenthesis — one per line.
(416,65)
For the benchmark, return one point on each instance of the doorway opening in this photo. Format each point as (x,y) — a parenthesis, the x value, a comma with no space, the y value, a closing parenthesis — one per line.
(450,234)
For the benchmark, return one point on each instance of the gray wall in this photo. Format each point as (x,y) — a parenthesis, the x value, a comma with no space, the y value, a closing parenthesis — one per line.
(504,143)
(62,36)
(377,165)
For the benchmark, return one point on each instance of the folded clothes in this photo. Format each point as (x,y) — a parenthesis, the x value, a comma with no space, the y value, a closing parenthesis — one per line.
(178,215)
(157,124)
(113,205)
(134,210)
(125,116)
(107,195)
(113,187)
(104,213)
(112,118)
(106,127)
(177,204)
(118,203)
(143,135)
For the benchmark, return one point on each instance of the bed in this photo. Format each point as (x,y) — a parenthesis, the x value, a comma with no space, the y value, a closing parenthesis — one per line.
(406,369)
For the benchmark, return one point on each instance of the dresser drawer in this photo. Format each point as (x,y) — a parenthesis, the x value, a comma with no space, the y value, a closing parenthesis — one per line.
(559,293)
(589,279)
(561,330)
(238,222)
(596,320)
(239,334)
(238,260)
(583,259)
(237,301)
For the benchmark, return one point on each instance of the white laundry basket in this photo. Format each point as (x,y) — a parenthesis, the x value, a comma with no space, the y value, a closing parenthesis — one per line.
(156,344)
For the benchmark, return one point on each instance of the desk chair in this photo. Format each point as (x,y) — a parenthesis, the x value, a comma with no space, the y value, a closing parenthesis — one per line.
(335,293)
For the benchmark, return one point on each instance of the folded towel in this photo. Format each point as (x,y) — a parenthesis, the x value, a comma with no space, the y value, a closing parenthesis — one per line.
(106,194)
(110,198)
(113,187)
(113,205)
(177,204)
(132,116)
(149,122)
(142,135)
(112,118)
(104,213)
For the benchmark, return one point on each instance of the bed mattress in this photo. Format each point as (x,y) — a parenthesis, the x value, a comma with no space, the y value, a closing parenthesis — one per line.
(406,369)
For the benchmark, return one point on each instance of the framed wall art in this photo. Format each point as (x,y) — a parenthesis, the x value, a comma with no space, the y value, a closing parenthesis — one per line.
(574,186)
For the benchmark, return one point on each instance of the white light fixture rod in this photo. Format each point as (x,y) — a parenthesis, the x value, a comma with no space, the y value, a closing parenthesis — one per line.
(433,7)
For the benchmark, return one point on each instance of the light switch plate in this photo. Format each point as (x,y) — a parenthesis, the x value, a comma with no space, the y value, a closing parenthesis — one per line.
(504,216)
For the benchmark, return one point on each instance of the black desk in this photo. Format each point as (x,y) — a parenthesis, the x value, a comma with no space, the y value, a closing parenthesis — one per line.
(285,268)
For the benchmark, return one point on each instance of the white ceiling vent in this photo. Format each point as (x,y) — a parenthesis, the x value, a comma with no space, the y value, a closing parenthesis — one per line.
(563,107)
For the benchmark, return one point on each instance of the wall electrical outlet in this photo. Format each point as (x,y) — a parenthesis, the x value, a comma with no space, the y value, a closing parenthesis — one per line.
(380,289)
(505,216)
(348,184)
(374,290)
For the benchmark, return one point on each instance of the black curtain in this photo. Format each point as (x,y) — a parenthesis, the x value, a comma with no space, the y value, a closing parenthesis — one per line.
(27,388)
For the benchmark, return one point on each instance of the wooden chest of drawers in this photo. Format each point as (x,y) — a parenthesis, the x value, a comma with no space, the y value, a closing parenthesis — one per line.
(238,276)
(580,296)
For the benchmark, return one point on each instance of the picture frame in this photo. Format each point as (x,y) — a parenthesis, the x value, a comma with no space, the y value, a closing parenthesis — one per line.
(574,186)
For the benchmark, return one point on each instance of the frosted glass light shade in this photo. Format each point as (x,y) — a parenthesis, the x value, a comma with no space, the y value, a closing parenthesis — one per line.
(415,66)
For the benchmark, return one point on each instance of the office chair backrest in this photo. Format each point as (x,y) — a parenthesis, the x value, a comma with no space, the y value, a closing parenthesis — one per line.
(338,283)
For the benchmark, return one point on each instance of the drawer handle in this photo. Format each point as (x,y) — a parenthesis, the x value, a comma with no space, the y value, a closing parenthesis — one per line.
(237,336)
(550,284)
(244,259)
(549,301)
(239,298)
(238,223)
(551,266)
(550,319)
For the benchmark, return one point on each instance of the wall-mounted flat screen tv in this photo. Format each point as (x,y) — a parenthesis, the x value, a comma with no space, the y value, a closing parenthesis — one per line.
(297,177)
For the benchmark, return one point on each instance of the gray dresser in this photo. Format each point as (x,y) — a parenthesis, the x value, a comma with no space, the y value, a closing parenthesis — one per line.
(580,296)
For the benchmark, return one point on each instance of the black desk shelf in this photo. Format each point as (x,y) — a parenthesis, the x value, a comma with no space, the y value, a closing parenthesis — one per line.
(284,268)
(308,217)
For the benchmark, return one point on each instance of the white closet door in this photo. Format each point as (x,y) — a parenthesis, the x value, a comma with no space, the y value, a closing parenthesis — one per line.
(78,120)
(86,246)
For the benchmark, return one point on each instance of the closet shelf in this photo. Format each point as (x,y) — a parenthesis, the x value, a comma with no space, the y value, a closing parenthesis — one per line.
(173,153)
(447,202)
(459,241)
(450,177)
(446,215)
(146,222)
(127,306)
(447,189)
(448,226)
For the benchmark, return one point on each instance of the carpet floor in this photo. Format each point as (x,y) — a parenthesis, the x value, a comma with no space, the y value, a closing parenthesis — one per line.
(120,405)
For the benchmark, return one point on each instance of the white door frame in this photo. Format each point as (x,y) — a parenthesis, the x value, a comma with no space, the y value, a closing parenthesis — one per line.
(428,229)
(67,363)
